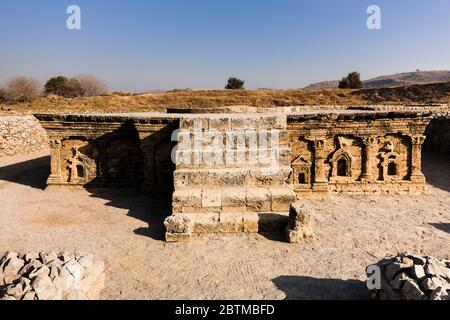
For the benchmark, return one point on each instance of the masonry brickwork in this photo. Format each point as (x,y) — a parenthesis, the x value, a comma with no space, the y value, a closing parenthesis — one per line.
(216,176)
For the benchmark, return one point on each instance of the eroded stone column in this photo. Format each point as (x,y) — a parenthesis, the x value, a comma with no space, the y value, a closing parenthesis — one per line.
(55,162)
(416,158)
(367,148)
(320,182)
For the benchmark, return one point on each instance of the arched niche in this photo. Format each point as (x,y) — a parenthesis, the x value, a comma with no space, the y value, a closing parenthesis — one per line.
(341,164)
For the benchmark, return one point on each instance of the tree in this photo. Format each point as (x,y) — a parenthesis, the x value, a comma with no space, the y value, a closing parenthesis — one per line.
(352,81)
(235,83)
(21,89)
(61,86)
(90,85)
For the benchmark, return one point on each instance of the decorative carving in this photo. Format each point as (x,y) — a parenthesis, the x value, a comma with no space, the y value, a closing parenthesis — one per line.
(416,158)
(302,172)
(389,162)
(77,167)
(319,144)
(341,161)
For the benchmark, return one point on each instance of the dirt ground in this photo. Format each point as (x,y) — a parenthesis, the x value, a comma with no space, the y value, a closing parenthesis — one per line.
(126,231)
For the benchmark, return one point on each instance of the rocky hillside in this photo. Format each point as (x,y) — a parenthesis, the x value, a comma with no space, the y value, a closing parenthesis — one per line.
(392,81)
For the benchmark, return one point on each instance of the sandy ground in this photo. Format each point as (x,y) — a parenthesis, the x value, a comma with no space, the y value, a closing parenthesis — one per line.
(126,231)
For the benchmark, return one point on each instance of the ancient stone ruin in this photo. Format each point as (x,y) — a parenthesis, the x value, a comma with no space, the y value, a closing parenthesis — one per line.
(299,229)
(239,172)
(411,277)
(50,276)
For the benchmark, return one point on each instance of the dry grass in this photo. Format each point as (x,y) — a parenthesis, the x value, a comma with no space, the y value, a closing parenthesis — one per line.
(120,102)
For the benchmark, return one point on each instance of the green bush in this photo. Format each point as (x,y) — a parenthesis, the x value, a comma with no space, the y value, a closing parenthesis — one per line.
(352,81)
(62,86)
(235,83)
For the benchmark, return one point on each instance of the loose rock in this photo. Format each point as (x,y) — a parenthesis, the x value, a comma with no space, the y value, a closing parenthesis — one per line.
(50,276)
(410,277)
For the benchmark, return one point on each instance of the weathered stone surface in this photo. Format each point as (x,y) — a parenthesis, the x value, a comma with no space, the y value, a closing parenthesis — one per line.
(399,280)
(411,290)
(439,294)
(80,277)
(179,224)
(241,163)
(21,135)
(418,272)
(299,226)
(425,279)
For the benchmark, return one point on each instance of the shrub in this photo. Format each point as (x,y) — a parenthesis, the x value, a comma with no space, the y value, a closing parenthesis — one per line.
(91,86)
(235,83)
(61,86)
(20,89)
(2,95)
(352,81)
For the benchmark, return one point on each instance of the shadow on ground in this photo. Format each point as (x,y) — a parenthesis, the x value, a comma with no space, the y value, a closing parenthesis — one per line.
(442,226)
(436,169)
(152,209)
(307,288)
(32,173)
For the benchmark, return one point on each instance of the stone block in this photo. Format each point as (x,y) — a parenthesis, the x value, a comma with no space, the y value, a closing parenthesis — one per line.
(258,200)
(251,222)
(179,224)
(211,199)
(231,222)
(206,223)
(187,198)
(219,123)
(282,198)
(299,226)
(178,237)
(234,198)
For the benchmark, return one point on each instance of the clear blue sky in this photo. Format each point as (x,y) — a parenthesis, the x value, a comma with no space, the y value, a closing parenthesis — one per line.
(141,45)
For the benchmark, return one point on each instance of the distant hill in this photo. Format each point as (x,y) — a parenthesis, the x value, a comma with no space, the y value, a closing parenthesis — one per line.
(392,81)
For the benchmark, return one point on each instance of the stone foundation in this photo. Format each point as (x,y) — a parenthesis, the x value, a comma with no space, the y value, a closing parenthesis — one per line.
(239,172)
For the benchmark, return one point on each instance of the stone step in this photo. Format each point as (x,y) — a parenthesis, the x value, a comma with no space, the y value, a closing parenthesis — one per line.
(224,200)
(223,158)
(233,177)
(184,226)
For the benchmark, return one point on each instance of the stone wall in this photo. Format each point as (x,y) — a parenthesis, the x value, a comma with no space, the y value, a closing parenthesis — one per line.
(239,172)
(357,151)
(111,151)
(21,135)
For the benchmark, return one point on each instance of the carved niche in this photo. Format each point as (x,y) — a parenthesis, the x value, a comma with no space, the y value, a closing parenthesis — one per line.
(77,167)
(389,162)
(302,172)
(342,160)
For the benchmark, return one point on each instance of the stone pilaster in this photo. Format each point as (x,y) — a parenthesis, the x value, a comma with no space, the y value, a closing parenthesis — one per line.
(320,182)
(55,177)
(367,152)
(416,158)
